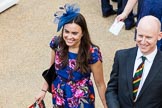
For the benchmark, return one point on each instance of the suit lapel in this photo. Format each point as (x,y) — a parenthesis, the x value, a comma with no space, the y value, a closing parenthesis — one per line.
(152,73)
(130,67)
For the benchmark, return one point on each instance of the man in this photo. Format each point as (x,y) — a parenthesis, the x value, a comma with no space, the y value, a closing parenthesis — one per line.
(121,89)
(145,7)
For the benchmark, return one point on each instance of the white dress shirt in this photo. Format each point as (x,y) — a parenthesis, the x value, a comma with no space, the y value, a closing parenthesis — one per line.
(147,65)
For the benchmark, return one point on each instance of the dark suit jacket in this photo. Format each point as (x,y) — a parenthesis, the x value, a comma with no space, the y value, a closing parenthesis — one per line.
(119,88)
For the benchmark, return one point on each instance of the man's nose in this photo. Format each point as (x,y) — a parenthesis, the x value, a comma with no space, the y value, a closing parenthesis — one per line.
(143,40)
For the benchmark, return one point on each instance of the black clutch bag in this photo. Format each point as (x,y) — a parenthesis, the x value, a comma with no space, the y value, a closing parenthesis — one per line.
(49,75)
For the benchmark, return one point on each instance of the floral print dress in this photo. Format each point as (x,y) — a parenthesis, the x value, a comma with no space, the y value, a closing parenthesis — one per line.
(73,89)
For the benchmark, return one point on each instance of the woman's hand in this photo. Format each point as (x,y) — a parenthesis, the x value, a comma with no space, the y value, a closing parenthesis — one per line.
(40,96)
(121,17)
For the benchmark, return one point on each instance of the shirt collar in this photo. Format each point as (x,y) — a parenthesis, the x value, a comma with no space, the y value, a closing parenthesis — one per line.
(150,57)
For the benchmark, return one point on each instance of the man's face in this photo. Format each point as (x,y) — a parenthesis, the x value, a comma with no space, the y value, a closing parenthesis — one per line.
(147,38)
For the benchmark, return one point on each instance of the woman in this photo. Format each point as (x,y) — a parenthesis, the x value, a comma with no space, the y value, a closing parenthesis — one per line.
(75,60)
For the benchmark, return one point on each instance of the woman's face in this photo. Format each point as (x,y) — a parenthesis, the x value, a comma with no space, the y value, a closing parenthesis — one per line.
(72,34)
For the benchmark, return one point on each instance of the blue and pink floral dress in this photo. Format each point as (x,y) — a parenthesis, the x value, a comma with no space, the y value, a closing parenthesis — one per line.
(73,89)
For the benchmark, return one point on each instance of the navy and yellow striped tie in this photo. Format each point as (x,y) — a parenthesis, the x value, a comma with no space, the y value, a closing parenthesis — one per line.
(137,77)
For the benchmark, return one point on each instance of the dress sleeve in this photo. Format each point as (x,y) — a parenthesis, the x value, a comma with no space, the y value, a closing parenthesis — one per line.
(95,55)
(54,42)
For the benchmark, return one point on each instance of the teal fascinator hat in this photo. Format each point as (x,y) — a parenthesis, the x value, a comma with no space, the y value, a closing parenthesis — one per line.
(66,14)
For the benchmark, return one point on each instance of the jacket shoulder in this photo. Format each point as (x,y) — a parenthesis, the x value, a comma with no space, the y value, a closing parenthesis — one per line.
(126,51)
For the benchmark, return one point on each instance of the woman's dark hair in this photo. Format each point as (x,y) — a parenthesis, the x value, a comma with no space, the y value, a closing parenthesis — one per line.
(84,48)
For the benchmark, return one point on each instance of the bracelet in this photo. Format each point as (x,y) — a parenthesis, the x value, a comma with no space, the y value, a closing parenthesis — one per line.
(43,90)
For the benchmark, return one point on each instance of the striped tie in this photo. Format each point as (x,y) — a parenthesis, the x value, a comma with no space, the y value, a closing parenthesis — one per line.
(137,77)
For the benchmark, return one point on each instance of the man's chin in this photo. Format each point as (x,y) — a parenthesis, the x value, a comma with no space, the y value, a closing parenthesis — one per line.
(143,50)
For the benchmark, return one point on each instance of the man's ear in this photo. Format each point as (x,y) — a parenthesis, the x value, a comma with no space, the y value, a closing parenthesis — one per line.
(160,36)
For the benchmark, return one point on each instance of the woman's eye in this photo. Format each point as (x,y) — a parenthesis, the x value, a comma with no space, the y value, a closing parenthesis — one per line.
(75,33)
(66,31)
